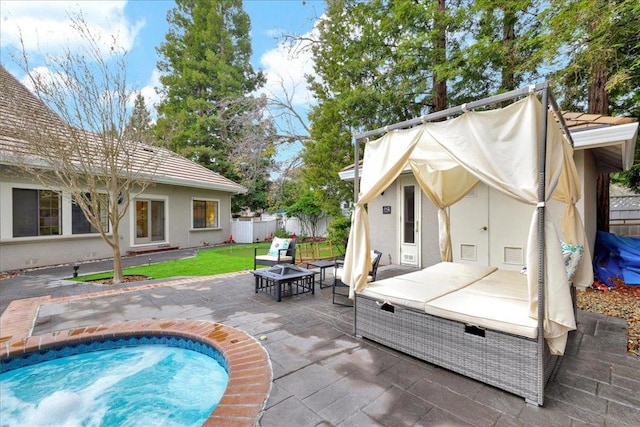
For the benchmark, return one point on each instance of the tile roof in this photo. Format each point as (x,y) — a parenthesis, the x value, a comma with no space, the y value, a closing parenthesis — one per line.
(20,110)
(575,121)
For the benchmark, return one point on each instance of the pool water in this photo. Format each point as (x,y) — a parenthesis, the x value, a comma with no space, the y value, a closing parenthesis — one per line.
(143,385)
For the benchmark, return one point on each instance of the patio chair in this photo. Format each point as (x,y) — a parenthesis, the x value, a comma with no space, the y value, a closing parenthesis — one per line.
(341,289)
(282,251)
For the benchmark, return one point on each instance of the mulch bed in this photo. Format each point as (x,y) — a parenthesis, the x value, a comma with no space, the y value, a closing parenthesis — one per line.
(125,279)
(620,301)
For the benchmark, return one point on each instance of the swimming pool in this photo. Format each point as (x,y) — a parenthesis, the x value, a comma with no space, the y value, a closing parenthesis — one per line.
(117,382)
(247,363)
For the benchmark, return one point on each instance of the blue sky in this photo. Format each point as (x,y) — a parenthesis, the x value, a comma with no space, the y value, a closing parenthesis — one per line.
(141,26)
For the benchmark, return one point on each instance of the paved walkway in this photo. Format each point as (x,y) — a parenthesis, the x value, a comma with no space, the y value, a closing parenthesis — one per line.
(323,376)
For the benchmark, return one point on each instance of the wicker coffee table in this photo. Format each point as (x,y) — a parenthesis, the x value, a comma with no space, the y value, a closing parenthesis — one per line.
(284,280)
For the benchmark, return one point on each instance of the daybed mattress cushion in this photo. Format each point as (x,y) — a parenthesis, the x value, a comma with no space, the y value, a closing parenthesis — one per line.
(415,289)
(498,301)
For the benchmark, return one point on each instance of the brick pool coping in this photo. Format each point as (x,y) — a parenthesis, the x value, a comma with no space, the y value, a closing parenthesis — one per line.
(250,372)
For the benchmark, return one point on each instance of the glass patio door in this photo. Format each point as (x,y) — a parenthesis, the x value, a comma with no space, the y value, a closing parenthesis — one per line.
(150,221)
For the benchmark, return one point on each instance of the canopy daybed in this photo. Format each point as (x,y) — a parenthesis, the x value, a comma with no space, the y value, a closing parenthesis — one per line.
(504,328)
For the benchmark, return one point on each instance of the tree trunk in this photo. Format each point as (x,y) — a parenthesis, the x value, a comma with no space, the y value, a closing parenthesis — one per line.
(508,40)
(599,104)
(598,98)
(118,276)
(602,209)
(440,57)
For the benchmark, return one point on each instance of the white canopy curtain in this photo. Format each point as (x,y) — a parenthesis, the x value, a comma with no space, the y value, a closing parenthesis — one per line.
(499,147)
(568,192)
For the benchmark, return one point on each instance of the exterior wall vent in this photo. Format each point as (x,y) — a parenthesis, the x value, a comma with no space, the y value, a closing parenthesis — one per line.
(468,252)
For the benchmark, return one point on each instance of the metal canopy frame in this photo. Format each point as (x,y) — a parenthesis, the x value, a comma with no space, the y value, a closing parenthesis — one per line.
(548,102)
(539,88)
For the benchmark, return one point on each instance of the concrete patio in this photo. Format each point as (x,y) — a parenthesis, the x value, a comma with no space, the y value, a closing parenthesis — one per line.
(325,376)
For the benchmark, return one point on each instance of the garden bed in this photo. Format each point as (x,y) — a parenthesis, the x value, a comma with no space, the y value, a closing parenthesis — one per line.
(620,301)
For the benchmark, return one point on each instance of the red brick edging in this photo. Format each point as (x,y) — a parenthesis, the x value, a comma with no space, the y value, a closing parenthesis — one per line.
(250,373)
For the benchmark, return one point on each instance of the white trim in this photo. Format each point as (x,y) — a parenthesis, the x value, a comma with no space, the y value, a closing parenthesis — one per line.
(204,199)
(43,239)
(6,211)
(132,219)
(623,136)
(349,174)
(233,189)
(402,182)
(6,233)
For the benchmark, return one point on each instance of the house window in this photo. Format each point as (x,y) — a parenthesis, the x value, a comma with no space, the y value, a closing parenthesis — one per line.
(36,213)
(205,214)
(79,222)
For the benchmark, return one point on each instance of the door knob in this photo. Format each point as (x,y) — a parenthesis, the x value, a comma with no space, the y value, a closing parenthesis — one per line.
(485,228)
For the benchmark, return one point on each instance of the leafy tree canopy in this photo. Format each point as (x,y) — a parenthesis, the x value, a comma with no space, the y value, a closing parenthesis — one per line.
(207,113)
(308,209)
(140,121)
(379,62)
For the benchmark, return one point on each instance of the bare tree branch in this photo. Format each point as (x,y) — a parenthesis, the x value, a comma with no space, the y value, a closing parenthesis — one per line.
(74,139)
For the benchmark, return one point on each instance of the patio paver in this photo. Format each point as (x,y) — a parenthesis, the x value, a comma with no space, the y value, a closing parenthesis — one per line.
(322,375)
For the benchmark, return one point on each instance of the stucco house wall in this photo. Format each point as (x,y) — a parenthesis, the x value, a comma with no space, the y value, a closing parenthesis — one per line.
(586,165)
(165,212)
(385,228)
(28,252)
(180,228)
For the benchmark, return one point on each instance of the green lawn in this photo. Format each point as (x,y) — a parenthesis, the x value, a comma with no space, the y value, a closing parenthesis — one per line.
(224,259)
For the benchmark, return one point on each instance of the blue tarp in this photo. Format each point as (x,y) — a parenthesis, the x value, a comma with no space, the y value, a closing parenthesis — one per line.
(616,257)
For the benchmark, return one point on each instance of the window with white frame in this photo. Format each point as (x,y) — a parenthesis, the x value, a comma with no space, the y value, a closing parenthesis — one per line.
(79,222)
(36,213)
(205,213)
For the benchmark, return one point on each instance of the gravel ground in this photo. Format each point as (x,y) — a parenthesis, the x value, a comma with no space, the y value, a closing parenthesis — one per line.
(620,301)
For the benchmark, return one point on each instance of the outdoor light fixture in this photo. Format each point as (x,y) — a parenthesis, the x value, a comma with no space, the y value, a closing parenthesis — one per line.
(75,270)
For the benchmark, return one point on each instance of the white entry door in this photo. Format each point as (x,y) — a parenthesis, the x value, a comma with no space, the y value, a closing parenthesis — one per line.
(469,219)
(489,228)
(509,224)
(409,222)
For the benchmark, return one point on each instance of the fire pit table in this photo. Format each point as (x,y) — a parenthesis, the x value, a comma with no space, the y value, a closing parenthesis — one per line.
(283,280)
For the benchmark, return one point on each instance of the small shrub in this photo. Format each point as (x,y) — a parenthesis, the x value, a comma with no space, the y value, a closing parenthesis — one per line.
(283,234)
(338,231)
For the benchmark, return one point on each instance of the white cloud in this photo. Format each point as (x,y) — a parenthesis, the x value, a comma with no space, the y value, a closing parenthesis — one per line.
(44,25)
(285,68)
(275,33)
(151,97)
(45,77)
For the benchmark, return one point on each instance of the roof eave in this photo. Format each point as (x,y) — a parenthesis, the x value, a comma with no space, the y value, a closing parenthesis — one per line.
(235,189)
(619,138)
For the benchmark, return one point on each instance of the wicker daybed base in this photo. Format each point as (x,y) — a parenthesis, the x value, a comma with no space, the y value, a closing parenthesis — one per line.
(496,358)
